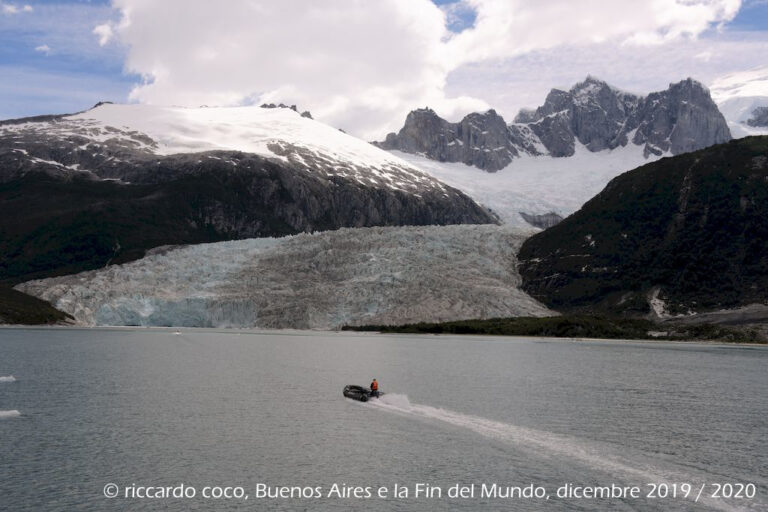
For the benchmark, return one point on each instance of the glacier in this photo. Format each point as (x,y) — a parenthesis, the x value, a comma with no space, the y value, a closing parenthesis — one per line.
(352,276)
(536,184)
(738,95)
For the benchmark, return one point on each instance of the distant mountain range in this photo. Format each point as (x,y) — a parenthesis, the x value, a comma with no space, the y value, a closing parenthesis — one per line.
(592,113)
(552,159)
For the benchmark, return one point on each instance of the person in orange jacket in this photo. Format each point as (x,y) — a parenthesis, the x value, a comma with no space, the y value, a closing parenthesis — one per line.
(374,388)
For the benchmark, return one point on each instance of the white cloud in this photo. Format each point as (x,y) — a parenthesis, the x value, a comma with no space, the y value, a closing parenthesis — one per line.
(14,9)
(43,48)
(750,83)
(67,28)
(358,65)
(105,33)
(506,28)
(524,80)
(363,65)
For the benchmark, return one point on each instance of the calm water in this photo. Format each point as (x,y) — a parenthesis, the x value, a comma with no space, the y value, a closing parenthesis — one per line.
(208,408)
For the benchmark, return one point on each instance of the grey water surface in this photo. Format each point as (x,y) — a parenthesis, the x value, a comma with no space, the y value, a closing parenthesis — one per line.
(257,410)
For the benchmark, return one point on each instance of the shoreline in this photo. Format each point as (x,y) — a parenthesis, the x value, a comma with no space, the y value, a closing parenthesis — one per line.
(351,333)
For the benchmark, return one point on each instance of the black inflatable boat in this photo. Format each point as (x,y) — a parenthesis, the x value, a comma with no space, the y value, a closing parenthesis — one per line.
(359,393)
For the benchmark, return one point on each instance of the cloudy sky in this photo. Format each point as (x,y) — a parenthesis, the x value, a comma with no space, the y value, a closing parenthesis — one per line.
(362,64)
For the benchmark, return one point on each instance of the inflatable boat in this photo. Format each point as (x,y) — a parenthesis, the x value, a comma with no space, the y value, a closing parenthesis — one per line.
(359,393)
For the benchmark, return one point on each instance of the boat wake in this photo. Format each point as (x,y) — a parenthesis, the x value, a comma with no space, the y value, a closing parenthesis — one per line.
(8,378)
(636,467)
(9,414)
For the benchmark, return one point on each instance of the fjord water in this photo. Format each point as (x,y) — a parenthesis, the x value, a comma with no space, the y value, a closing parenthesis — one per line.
(235,408)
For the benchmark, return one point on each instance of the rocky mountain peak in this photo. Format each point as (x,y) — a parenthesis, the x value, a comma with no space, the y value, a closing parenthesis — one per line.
(480,139)
(305,113)
(589,86)
(525,115)
(591,113)
(759,117)
(680,119)
(422,116)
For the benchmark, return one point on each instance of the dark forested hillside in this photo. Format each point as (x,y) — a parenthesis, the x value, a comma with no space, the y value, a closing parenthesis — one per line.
(690,231)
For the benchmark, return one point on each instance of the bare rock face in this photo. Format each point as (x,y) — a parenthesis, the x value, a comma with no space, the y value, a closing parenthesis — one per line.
(543,221)
(680,119)
(759,117)
(592,112)
(306,113)
(483,140)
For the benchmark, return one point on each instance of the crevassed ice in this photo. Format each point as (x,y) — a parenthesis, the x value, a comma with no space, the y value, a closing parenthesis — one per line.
(318,281)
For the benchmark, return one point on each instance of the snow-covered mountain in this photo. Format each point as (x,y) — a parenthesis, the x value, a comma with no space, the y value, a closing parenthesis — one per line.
(592,113)
(99,140)
(553,159)
(743,99)
(325,280)
(107,184)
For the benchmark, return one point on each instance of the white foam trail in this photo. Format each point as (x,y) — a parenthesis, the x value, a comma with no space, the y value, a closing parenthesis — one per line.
(589,453)
(9,414)
(8,378)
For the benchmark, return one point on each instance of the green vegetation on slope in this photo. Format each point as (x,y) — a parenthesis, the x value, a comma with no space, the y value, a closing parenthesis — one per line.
(694,227)
(573,326)
(54,227)
(20,308)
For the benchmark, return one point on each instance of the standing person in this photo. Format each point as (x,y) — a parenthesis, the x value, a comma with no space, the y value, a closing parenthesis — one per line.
(375,388)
